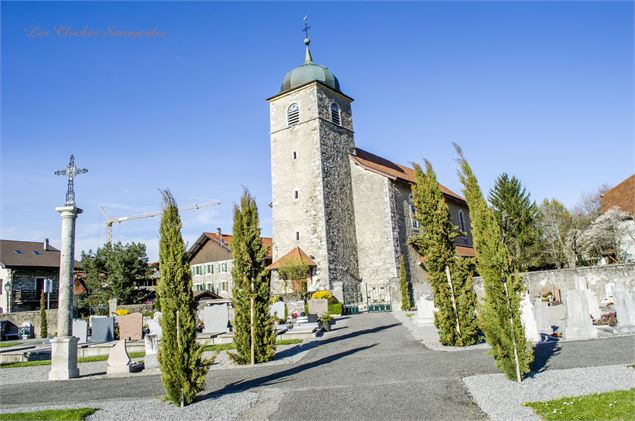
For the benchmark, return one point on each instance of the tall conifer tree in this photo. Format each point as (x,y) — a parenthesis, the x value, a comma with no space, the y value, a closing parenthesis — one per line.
(453,294)
(251,280)
(403,280)
(516,215)
(44,327)
(499,315)
(183,369)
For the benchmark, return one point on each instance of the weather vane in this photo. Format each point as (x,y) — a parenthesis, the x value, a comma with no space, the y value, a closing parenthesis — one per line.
(71,171)
(306,29)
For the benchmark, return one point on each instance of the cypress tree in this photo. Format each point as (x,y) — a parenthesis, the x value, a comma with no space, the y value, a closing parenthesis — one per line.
(183,369)
(403,280)
(499,315)
(44,327)
(453,295)
(251,281)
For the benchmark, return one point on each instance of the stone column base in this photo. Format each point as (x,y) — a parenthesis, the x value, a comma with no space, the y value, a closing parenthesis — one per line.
(64,358)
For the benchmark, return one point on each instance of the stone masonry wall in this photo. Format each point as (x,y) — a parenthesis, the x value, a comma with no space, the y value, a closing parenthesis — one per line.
(33,317)
(596,278)
(376,242)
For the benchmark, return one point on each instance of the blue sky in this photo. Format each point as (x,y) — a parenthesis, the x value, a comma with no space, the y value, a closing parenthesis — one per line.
(541,90)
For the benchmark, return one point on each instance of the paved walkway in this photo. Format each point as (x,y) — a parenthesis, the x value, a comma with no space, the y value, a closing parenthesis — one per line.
(369,368)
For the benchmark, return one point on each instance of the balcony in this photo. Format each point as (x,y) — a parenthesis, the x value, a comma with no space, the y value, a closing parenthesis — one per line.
(31,296)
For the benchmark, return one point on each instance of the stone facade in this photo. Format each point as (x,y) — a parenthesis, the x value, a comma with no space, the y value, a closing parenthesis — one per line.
(27,280)
(312,202)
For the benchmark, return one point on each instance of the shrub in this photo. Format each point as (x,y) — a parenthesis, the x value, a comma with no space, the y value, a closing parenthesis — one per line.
(121,312)
(324,294)
(335,308)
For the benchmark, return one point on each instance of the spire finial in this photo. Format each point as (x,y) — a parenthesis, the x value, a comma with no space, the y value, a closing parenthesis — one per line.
(307,58)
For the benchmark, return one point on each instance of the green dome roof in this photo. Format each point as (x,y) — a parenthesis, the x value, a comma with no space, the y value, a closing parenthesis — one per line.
(309,72)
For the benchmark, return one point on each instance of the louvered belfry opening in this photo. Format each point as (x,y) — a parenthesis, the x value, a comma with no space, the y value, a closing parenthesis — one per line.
(335,114)
(293,114)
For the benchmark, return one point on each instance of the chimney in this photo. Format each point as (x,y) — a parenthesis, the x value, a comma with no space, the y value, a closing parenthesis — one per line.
(220,235)
(46,244)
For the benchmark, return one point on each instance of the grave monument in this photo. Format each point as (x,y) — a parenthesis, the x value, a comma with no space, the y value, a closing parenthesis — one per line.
(64,346)
(579,324)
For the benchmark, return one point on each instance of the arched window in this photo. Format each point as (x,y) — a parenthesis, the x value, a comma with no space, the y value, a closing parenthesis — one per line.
(461,221)
(413,212)
(293,114)
(335,113)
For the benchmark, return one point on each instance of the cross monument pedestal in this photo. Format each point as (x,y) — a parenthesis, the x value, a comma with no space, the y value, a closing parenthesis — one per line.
(64,346)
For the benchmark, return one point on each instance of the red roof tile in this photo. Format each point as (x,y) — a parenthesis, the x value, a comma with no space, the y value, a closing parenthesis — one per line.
(622,196)
(392,170)
(294,257)
(266,241)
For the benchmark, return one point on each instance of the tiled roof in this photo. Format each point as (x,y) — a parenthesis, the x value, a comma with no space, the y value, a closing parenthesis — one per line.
(392,170)
(295,257)
(465,251)
(28,254)
(622,196)
(266,241)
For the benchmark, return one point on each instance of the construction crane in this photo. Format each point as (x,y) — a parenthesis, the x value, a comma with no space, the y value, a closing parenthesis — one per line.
(144,215)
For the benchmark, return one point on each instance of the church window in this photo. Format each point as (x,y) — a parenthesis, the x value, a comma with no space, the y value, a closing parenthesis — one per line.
(297,236)
(296,194)
(335,113)
(413,212)
(461,221)
(295,155)
(293,114)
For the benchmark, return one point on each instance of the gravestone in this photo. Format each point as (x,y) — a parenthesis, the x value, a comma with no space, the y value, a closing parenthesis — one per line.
(592,301)
(425,311)
(295,308)
(609,288)
(581,283)
(151,345)
(216,319)
(528,320)
(118,360)
(131,327)
(277,309)
(579,324)
(80,330)
(154,325)
(624,302)
(102,328)
(318,306)
(543,316)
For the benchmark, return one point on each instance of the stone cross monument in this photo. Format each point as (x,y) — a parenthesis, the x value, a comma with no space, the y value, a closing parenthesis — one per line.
(64,346)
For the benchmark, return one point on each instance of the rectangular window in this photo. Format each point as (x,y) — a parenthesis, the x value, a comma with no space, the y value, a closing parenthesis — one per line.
(297,236)
(209,268)
(296,194)
(223,286)
(225,267)
(295,155)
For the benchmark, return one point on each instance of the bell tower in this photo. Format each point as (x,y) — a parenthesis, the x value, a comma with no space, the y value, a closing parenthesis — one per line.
(312,200)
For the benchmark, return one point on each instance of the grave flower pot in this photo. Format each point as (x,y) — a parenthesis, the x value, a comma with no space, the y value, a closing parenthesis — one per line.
(326,326)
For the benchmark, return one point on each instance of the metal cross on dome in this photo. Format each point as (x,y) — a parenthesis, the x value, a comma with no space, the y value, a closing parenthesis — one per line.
(71,171)
(306,26)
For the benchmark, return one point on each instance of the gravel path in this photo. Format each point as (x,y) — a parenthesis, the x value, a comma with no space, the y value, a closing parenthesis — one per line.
(226,407)
(502,399)
(429,335)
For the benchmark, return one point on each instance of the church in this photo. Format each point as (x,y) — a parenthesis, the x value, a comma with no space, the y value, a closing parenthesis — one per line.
(339,210)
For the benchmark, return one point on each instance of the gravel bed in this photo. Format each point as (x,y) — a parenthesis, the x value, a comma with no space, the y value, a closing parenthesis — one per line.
(429,335)
(502,399)
(225,407)
(286,354)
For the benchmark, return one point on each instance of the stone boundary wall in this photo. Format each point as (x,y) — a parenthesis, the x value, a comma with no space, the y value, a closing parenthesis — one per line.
(596,278)
(136,308)
(33,317)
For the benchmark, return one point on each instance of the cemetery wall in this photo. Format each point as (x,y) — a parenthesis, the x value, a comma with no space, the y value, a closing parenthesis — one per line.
(136,308)
(33,317)
(565,279)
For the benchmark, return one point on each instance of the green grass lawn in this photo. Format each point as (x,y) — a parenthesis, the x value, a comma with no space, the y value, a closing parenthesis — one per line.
(618,405)
(8,344)
(50,414)
(79,360)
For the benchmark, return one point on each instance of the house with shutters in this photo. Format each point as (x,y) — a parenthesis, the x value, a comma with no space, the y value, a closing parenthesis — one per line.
(211,263)
(25,267)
